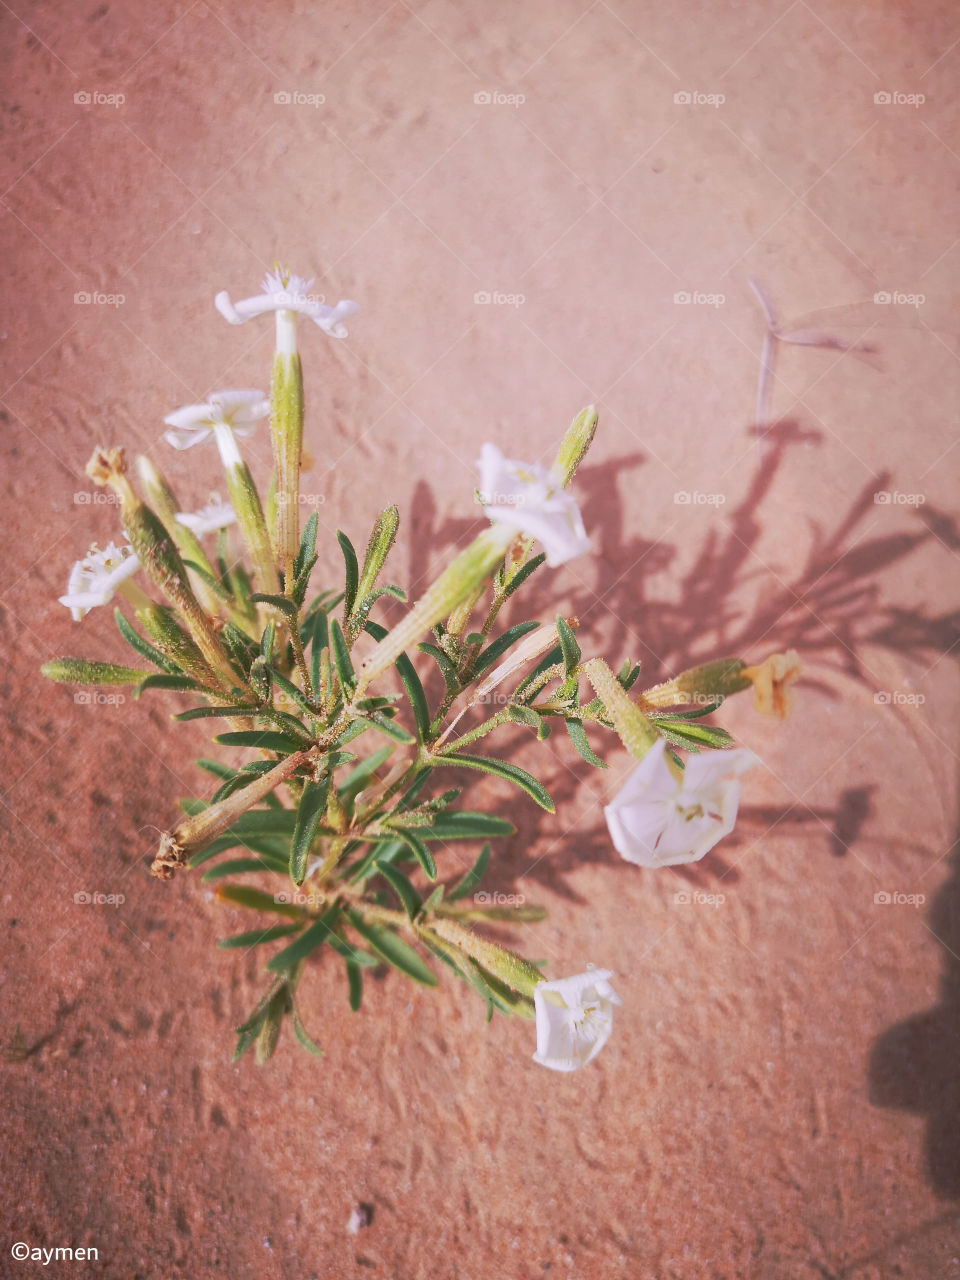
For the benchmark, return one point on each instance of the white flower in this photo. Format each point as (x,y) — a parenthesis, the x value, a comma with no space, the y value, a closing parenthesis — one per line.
(240,411)
(216,515)
(95,578)
(574,1019)
(282,292)
(530,499)
(659,820)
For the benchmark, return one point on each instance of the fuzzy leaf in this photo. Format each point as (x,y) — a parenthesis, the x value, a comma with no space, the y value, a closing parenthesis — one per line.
(394,950)
(502,769)
(313,804)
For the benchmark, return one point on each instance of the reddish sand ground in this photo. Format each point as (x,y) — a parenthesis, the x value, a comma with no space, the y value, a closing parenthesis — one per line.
(780,1096)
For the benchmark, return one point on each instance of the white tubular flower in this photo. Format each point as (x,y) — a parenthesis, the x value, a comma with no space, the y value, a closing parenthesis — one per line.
(660,820)
(95,578)
(287,293)
(216,515)
(239,411)
(574,1019)
(532,500)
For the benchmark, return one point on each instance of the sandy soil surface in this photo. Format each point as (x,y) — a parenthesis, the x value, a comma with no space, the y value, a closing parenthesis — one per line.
(780,1097)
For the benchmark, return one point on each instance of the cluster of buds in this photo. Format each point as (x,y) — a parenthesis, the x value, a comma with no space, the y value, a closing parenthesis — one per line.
(299,680)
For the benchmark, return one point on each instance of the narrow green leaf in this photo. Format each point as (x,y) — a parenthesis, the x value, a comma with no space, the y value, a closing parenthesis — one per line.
(341,657)
(447,667)
(578,736)
(241,866)
(502,769)
(413,839)
(499,647)
(465,824)
(381,540)
(317,640)
(143,647)
(394,950)
(281,603)
(308,545)
(241,895)
(208,713)
(466,886)
(299,1030)
(352,573)
(523,573)
(357,777)
(409,898)
(255,936)
(313,804)
(308,941)
(267,739)
(390,727)
(415,692)
(568,646)
(355,985)
(164,681)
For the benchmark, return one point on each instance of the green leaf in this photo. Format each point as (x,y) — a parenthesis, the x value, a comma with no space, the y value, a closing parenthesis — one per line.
(164,681)
(499,647)
(357,777)
(409,898)
(418,699)
(394,950)
(473,877)
(308,545)
(389,727)
(341,658)
(317,640)
(217,768)
(381,540)
(298,1028)
(254,937)
(568,647)
(84,671)
(352,573)
(355,984)
(628,673)
(549,659)
(523,573)
(267,739)
(694,736)
(414,841)
(313,804)
(578,736)
(308,941)
(241,895)
(435,899)
(466,824)
(280,603)
(267,639)
(241,866)
(208,713)
(447,667)
(293,692)
(502,769)
(215,585)
(143,647)
(527,716)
